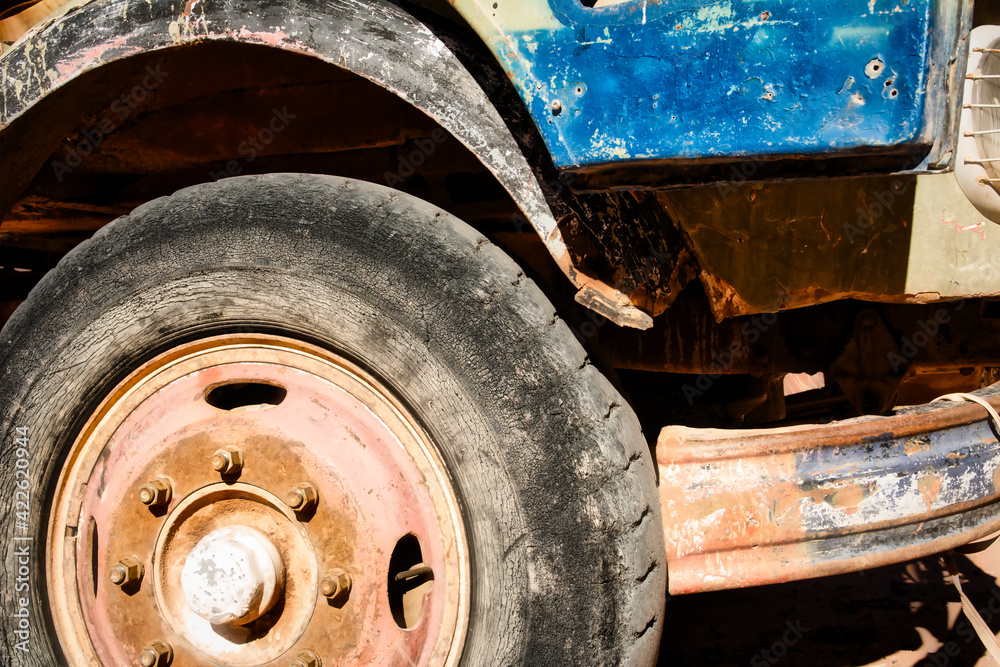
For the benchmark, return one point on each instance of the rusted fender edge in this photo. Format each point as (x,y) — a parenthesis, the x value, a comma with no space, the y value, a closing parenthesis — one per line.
(745,508)
(371,38)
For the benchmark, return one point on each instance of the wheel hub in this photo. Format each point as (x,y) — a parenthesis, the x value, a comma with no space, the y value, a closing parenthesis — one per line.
(243,501)
(232,576)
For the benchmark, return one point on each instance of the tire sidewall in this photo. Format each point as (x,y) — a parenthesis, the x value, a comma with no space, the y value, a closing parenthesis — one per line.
(413,295)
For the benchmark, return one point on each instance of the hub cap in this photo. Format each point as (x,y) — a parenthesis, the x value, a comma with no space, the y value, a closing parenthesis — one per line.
(233,576)
(299,509)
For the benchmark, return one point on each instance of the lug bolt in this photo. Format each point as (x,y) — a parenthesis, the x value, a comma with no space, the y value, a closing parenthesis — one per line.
(302,497)
(158,654)
(155,493)
(228,461)
(335,584)
(126,571)
(306,659)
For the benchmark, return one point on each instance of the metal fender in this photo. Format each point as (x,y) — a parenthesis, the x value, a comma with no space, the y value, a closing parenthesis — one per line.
(370,38)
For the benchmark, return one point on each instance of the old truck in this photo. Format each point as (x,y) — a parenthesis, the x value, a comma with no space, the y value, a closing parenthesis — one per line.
(350,332)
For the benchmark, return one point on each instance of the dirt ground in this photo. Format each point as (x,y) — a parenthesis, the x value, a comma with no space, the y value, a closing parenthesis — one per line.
(897,616)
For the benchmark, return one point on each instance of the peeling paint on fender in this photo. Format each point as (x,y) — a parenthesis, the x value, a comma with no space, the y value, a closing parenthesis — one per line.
(662,75)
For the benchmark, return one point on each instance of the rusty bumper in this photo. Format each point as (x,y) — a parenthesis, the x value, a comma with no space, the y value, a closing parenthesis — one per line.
(751,507)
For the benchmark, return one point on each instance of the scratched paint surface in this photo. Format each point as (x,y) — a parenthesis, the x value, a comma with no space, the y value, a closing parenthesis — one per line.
(744,508)
(896,478)
(687,79)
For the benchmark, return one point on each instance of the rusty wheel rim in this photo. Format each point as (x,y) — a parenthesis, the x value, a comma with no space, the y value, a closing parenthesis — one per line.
(254,500)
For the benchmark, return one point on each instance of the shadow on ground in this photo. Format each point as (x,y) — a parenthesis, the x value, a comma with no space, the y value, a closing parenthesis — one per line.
(866,618)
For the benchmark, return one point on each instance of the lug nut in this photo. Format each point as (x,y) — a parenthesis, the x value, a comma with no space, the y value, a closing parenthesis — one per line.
(302,497)
(155,493)
(126,572)
(228,461)
(306,659)
(335,584)
(158,654)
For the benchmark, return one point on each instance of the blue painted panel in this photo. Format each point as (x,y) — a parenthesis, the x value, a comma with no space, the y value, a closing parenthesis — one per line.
(683,79)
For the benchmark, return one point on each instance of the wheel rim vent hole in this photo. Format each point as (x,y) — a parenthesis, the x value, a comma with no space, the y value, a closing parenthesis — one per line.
(95,552)
(236,395)
(410,580)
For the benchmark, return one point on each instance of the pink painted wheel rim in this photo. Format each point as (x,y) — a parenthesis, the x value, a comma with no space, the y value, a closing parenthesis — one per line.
(379,480)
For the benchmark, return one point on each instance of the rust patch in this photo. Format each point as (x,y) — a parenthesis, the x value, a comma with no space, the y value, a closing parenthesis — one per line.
(724,299)
(848,499)
(89,58)
(188,6)
(751,507)
(930,487)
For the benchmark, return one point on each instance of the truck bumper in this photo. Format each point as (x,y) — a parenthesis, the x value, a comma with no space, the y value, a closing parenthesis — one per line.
(750,507)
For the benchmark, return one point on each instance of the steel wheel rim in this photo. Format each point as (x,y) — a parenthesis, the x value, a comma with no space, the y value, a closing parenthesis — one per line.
(159,424)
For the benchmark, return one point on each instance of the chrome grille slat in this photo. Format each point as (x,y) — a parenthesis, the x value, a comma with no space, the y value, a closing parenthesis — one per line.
(985,107)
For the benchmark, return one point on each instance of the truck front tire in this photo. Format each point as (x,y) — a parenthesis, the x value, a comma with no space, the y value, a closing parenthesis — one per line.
(370,300)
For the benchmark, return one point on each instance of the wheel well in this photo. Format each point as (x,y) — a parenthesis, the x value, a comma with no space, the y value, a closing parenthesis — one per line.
(160,121)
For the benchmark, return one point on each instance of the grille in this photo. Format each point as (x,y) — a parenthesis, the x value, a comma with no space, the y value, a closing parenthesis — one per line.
(986,111)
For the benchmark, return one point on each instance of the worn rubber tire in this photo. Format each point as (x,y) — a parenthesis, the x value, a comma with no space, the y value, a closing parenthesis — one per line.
(554,476)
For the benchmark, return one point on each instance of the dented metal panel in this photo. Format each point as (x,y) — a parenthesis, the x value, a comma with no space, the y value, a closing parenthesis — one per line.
(744,508)
(899,239)
(682,80)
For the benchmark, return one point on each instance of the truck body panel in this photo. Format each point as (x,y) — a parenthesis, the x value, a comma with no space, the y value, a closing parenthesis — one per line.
(681,81)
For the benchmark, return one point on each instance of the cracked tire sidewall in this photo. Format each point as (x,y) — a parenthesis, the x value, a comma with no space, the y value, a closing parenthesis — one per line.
(552,472)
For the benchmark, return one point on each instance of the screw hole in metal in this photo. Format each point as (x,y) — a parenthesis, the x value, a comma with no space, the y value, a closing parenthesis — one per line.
(236,395)
(874,68)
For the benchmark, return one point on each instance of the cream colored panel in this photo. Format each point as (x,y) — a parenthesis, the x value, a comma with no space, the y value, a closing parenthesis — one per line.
(954,249)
